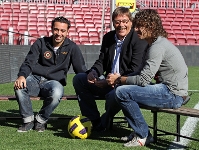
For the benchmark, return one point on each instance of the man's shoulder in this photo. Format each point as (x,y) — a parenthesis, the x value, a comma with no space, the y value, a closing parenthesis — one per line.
(110,34)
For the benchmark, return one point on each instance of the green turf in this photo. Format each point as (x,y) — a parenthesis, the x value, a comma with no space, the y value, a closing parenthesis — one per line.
(57,137)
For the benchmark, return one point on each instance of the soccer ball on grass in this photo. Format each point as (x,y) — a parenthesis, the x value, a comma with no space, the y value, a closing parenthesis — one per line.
(80,127)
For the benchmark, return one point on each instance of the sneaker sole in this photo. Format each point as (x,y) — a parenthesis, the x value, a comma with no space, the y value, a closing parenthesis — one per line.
(20,131)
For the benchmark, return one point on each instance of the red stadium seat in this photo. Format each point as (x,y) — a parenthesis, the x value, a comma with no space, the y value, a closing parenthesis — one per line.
(172,38)
(93,33)
(181,39)
(197,39)
(33,6)
(195,20)
(95,40)
(83,34)
(161,10)
(191,39)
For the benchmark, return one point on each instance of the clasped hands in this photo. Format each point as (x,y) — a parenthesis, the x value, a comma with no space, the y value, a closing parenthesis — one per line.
(110,80)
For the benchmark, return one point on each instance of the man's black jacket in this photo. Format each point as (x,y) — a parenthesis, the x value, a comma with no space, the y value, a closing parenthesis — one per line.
(131,56)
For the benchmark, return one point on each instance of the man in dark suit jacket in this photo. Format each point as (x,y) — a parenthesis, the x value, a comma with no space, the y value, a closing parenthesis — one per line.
(121,52)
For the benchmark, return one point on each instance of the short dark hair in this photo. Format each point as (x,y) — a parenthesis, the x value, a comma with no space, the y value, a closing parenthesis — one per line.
(62,20)
(151,20)
(122,11)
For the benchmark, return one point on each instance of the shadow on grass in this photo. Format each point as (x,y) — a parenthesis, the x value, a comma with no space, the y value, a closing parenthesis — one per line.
(59,127)
(114,135)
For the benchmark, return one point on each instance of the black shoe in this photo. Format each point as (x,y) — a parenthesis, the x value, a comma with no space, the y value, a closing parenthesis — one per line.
(26,127)
(40,127)
(99,128)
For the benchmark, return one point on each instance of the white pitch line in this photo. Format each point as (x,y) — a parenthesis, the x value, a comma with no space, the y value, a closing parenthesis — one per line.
(187,130)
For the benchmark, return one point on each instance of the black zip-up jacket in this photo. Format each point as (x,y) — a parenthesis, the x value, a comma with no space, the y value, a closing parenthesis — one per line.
(131,56)
(41,60)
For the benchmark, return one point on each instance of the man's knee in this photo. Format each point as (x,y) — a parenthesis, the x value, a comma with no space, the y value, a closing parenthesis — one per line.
(78,78)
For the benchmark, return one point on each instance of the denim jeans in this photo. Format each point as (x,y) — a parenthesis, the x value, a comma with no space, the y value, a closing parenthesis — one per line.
(86,92)
(157,95)
(52,92)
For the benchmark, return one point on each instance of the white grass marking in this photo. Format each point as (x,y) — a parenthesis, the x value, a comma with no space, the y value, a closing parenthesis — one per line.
(187,130)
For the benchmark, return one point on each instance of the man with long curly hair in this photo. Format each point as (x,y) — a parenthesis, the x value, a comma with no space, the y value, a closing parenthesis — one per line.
(163,61)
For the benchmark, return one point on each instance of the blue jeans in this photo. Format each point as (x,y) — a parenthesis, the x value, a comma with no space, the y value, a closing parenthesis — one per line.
(157,95)
(52,92)
(86,92)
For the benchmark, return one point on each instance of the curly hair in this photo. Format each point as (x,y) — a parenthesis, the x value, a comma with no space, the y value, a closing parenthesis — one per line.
(151,20)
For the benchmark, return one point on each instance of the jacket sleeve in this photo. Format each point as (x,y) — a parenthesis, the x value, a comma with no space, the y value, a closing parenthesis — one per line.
(78,60)
(101,62)
(139,48)
(30,60)
(154,58)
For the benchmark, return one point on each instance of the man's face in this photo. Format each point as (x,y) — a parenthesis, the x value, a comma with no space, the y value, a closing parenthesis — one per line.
(143,32)
(122,25)
(59,31)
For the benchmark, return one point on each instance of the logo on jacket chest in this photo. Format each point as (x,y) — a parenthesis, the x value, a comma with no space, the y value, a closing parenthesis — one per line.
(47,54)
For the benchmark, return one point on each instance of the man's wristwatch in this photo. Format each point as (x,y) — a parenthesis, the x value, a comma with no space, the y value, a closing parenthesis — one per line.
(118,80)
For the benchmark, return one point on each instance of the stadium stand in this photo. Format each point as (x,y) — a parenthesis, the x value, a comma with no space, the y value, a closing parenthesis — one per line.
(178,16)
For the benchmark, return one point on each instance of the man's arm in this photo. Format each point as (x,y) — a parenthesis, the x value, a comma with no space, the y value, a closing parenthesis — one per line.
(30,60)
(78,60)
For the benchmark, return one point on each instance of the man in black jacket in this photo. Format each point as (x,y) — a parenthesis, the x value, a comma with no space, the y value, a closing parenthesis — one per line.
(44,73)
(121,52)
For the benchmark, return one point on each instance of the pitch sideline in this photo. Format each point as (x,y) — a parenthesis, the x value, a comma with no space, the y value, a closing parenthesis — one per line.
(186,130)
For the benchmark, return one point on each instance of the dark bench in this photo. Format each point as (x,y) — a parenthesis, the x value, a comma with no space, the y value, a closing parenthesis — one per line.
(178,112)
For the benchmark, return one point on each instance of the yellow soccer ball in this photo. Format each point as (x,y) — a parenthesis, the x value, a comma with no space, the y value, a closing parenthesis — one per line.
(80,127)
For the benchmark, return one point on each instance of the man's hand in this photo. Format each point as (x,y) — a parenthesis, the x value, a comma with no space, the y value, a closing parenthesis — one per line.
(101,83)
(92,77)
(20,83)
(111,78)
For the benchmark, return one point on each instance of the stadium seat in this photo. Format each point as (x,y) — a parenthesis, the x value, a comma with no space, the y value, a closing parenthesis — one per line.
(88,20)
(59,7)
(15,6)
(181,39)
(89,25)
(187,20)
(83,34)
(191,39)
(43,33)
(195,20)
(32,6)
(179,16)
(170,11)
(41,6)
(93,33)
(188,11)
(172,38)
(178,11)
(168,19)
(188,32)
(84,39)
(161,10)
(179,20)
(80,16)
(95,40)
(197,39)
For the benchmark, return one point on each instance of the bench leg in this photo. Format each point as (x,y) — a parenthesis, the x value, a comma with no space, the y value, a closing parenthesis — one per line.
(178,127)
(155,126)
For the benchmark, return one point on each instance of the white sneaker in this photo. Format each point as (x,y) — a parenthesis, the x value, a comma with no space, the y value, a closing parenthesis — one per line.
(136,141)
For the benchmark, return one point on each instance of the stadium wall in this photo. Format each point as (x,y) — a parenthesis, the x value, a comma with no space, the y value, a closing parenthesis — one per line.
(13,55)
